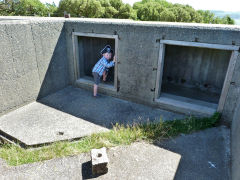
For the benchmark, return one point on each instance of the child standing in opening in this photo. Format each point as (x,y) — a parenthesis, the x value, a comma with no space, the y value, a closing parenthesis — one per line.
(106,71)
(101,67)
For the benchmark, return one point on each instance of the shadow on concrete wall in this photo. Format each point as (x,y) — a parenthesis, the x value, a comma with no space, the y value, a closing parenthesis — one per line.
(33,62)
(53,74)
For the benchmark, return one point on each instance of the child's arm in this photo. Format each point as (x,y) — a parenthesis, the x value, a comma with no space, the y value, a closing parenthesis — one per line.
(108,65)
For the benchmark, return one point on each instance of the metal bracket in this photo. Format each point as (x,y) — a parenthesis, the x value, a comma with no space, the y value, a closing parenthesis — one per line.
(153,89)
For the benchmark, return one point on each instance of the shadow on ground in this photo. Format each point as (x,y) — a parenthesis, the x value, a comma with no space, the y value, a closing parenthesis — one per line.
(205,155)
(86,170)
(104,110)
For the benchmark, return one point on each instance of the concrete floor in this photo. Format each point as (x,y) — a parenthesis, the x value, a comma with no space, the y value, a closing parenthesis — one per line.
(104,110)
(203,155)
(73,113)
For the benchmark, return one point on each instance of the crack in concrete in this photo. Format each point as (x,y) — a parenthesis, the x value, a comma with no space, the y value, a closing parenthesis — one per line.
(40,82)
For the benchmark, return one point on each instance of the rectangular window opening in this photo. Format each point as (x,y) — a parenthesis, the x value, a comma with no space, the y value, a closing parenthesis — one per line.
(193,72)
(88,47)
(194,77)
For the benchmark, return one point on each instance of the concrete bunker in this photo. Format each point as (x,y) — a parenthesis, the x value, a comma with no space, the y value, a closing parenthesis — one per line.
(194,76)
(87,47)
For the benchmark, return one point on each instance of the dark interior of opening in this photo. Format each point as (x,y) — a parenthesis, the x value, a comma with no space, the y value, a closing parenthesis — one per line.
(89,54)
(196,73)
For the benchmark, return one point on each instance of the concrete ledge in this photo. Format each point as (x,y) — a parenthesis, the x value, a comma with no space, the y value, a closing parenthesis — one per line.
(85,82)
(186,105)
(36,124)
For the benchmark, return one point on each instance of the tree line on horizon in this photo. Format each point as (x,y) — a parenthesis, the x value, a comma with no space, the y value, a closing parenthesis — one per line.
(145,10)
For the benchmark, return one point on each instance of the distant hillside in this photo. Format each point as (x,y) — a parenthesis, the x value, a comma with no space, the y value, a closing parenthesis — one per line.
(234,15)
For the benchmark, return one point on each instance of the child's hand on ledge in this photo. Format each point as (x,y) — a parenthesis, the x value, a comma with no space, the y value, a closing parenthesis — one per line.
(114,59)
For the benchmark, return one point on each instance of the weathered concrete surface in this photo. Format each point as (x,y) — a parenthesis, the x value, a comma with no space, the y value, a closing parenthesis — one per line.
(205,155)
(36,124)
(186,159)
(3,165)
(33,61)
(18,68)
(235,144)
(104,111)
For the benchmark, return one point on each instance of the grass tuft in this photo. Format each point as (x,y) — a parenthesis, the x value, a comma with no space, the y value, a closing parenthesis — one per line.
(119,135)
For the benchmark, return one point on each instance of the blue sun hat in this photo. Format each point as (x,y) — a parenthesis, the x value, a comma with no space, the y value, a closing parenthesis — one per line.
(107,49)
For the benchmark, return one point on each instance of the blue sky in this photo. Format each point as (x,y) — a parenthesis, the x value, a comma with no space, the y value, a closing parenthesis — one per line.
(229,5)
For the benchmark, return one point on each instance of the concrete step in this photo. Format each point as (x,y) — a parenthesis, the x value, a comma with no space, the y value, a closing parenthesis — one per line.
(186,105)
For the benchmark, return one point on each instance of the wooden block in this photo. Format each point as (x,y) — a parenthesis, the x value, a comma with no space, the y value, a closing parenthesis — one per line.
(99,161)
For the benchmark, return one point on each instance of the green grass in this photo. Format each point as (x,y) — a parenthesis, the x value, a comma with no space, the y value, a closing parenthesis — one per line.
(119,135)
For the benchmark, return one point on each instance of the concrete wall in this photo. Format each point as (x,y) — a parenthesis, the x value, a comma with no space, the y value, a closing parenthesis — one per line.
(235,143)
(36,56)
(139,50)
(33,61)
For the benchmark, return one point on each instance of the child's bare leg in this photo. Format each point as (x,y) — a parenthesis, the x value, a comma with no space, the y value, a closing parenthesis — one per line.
(104,75)
(95,88)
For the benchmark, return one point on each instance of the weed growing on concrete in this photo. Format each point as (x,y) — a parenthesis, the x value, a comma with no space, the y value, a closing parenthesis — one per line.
(119,135)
